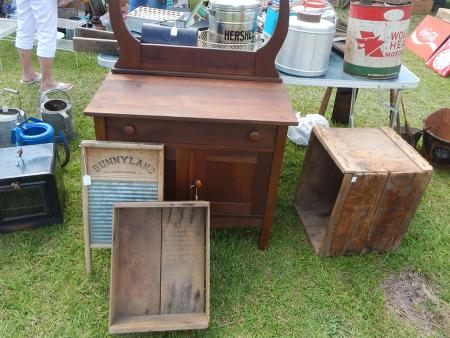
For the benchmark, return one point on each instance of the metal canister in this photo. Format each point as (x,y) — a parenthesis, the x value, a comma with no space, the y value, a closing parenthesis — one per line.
(307,48)
(233,21)
(8,121)
(9,118)
(58,113)
(376,38)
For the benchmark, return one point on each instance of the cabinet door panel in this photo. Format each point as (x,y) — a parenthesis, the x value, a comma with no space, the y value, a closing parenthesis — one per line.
(235,182)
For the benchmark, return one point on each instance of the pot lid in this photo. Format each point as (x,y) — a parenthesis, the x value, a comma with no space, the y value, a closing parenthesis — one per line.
(11,115)
(234,5)
(311,23)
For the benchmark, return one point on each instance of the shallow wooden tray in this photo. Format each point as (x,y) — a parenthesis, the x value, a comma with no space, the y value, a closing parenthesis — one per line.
(159,267)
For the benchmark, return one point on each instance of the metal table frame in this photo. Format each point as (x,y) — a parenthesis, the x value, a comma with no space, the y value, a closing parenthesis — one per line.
(336,78)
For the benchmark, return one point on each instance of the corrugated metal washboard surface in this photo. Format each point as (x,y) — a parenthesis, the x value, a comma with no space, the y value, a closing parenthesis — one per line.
(102,196)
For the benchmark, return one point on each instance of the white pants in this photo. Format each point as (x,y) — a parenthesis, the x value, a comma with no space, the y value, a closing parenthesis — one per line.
(41,17)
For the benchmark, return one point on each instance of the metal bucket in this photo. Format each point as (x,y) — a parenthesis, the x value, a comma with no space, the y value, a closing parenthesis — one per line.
(233,21)
(58,113)
(8,121)
(376,38)
(436,138)
(9,118)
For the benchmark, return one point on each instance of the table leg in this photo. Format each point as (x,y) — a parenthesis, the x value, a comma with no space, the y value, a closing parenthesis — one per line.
(277,161)
(325,100)
(394,100)
(352,108)
(341,108)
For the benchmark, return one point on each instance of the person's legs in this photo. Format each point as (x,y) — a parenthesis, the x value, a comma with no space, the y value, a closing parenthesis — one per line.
(46,71)
(45,14)
(26,27)
(28,73)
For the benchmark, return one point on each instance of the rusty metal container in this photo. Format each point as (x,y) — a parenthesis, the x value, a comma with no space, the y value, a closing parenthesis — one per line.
(376,38)
(436,138)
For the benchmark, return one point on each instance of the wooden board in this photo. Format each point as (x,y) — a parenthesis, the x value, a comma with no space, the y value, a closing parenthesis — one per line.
(182,260)
(119,171)
(160,267)
(140,251)
(196,99)
(92,45)
(369,150)
(93,34)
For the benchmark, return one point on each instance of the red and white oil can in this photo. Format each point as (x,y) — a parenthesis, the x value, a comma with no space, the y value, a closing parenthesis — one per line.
(376,38)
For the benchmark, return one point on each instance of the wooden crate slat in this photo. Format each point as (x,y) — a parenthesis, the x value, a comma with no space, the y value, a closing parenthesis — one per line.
(408,189)
(160,323)
(183,261)
(135,274)
(365,150)
(353,213)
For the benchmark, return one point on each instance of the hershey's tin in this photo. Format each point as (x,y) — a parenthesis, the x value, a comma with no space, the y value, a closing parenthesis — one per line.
(233,21)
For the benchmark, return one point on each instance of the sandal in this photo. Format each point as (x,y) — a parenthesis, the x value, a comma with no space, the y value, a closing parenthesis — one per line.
(36,79)
(59,86)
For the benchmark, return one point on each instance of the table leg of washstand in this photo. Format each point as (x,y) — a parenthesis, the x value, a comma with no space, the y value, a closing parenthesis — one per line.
(352,109)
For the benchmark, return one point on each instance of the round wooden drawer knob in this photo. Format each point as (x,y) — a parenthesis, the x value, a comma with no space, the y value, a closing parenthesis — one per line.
(128,130)
(254,136)
(198,184)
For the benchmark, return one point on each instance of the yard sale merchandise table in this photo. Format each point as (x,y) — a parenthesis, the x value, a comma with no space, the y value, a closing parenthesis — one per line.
(336,78)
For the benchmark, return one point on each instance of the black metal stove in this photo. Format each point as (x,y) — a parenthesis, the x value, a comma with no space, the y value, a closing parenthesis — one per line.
(31,187)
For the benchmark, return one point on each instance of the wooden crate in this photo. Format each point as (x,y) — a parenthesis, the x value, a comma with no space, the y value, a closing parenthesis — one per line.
(422,6)
(160,267)
(359,190)
(119,172)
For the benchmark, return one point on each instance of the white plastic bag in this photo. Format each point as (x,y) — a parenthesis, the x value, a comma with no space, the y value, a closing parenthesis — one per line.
(300,134)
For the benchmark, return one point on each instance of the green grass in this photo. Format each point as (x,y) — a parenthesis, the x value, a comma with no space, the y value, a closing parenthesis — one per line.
(284,291)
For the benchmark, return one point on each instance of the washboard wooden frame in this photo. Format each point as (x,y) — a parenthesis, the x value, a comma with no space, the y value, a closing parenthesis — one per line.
(119,172)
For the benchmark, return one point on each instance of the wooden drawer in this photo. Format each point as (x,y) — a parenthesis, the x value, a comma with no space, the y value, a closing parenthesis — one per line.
(187,132)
